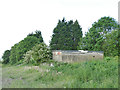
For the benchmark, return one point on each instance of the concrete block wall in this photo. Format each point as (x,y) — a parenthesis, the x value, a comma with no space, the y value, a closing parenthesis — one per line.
(76,56)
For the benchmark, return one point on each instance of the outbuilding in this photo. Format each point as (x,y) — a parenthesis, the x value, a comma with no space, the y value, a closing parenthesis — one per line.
(76,55)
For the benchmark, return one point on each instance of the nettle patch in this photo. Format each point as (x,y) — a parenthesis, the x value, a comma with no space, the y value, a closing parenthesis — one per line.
(39,53)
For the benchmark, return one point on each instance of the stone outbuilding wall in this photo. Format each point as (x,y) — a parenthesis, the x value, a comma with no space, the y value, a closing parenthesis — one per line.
(76,55)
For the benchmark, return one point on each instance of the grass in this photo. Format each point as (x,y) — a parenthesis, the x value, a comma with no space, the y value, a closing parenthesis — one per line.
(0,75)
(88,74)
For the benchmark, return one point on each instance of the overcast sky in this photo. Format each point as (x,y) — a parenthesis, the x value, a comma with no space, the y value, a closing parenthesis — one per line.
(18,18)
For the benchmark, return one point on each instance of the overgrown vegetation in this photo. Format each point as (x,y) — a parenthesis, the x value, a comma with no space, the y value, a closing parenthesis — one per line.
(111,43)
(102,36)
(0,75)
(16,53)
(39,53)
(88,74)
(6,57)
(21,48)
(32,51)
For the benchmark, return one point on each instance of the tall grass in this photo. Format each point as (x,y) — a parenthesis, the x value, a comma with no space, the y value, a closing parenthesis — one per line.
(88,74)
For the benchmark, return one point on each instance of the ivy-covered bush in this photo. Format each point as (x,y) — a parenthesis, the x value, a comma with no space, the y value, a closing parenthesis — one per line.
(39,53)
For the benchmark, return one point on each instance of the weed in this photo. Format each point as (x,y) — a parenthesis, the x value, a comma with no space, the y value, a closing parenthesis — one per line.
(88,74)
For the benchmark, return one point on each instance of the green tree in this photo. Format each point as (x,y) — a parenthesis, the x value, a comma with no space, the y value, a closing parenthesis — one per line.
(6,57)
(66,35)
(94,38)
(13,55)
(37,34)
(19,49)
(111,43)
(76,34)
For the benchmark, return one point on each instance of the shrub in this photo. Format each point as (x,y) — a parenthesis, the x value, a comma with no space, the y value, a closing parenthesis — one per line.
(107,58)
(39,53)
(6,57)
(19,49)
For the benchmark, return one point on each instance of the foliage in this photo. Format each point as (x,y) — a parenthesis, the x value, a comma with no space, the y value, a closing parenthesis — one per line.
(6,57)
(13,55)
(66,35)
(21,48)
(37,34)
(107,58)
(88,74)
(111,43)
(102,36)
(97,35)
(39,53)
(0,63)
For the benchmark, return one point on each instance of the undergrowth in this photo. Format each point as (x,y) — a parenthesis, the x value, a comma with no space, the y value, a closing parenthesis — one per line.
(87,74)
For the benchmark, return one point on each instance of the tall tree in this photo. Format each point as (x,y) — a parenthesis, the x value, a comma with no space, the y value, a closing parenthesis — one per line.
(94,38)
(66,35)
(19,49)
(13,54)
(76,34)
(37,34)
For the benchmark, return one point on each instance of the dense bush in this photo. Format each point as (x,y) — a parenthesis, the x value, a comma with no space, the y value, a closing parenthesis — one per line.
(21,48)
(111,44)
(39,53)
(15,54)
(6,57)
(89,74)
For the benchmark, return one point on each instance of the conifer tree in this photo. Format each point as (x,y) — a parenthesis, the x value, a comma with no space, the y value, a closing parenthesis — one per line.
(66,35)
